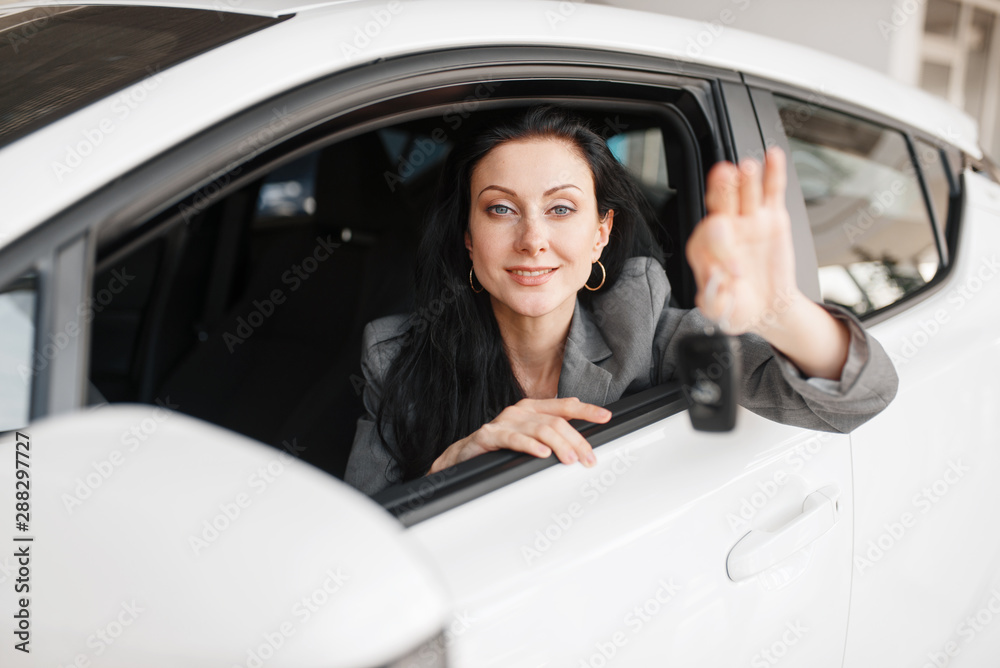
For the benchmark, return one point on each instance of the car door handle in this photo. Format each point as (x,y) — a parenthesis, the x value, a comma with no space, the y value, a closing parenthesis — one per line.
(759,550)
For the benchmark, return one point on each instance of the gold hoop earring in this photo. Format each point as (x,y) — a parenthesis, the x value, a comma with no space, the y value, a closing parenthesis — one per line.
(471,284)
(604,276)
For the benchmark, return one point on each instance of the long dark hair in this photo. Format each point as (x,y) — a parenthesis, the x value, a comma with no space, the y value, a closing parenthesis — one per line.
(452,373)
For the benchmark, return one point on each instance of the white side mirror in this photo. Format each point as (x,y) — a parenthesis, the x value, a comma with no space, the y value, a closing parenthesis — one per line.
(161,540)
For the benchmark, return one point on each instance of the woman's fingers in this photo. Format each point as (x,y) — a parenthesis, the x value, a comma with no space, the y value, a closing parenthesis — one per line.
(722,192)
(542,435)
(570,408)
(714,248)
(523,443)
(775,178)
(541,427)
(573,446)
(751,190)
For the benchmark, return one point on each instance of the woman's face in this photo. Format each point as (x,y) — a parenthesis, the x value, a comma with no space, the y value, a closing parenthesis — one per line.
(534,230)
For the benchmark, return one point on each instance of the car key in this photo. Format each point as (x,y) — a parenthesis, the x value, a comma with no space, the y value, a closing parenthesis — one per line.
(709,368)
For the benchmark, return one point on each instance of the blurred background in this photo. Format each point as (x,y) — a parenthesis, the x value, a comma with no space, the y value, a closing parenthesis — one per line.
(950,48)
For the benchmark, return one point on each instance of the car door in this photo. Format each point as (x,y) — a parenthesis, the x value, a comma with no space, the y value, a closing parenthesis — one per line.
(918,242)
(627,562)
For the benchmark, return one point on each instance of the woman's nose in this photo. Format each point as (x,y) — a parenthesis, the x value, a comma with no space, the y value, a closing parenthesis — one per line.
(531,238)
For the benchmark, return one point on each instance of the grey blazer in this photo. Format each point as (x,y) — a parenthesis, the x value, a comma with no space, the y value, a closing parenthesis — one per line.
(628,342)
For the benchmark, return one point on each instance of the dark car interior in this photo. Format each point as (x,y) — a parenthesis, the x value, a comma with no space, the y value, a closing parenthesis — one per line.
(245,305)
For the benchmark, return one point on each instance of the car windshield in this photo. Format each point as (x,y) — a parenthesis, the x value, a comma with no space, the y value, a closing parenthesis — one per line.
(58,59)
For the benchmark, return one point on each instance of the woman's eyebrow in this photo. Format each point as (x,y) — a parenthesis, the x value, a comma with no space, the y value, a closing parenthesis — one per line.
(514,194)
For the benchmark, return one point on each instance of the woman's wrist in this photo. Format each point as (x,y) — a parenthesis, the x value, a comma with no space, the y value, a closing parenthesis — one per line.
(807,334)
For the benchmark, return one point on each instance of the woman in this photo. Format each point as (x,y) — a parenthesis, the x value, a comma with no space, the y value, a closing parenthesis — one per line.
(541,297)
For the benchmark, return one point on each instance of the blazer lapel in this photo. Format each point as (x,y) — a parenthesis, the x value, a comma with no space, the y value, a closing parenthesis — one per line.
(585,346)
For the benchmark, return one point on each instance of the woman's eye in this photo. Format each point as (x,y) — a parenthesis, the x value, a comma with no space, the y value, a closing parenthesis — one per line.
(499,209)
(561,210)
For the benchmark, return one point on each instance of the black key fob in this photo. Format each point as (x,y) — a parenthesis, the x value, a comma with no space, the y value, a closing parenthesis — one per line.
(709,369)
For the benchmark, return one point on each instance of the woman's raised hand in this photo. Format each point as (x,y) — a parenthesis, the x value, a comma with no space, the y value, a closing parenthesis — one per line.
(741,253)
(744,263)
(537,427)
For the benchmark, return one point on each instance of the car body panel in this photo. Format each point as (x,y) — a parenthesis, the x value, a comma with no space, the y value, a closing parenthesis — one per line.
(926,470)
(627,561)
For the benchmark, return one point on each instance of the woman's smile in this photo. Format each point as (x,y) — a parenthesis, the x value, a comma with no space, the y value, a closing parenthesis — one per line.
(531,276)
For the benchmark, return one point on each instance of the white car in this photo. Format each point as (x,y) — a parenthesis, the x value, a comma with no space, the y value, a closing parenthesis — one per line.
(204,203)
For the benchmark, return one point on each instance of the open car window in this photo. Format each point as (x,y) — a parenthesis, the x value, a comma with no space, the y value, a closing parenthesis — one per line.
(244,303)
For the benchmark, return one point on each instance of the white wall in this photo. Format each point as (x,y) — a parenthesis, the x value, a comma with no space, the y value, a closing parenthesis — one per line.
(846,28)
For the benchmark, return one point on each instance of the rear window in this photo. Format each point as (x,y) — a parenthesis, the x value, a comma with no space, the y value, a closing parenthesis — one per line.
(874,237)
(55,60)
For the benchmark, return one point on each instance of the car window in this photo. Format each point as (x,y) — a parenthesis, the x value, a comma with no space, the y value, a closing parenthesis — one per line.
(247,308)
(875,243)
(17,344)
(940,184)
(288,194)
(641,151)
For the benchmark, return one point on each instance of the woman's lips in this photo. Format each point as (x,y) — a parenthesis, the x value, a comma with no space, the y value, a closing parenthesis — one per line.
(532,275)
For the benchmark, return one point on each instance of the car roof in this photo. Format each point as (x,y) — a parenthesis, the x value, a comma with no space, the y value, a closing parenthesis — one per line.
(256,7)
(316,42)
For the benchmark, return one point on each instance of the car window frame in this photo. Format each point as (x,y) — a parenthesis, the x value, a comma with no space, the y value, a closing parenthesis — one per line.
(56,271)
(421,499)
(770,120)
(31,282)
